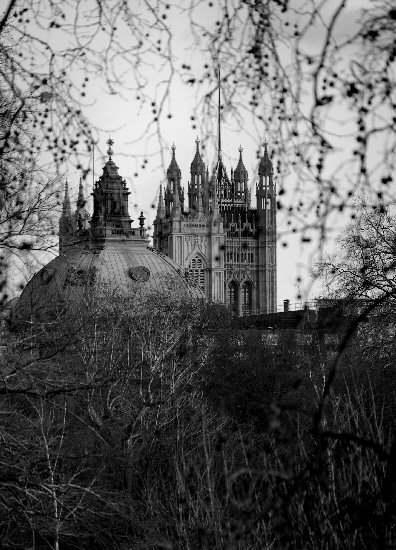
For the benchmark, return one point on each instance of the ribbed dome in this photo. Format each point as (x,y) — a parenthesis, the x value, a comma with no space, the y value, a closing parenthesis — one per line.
(71,278)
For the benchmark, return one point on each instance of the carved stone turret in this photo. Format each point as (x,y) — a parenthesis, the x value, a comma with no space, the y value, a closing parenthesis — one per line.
(110,199)
(111,219)
(173,175)
(197,184)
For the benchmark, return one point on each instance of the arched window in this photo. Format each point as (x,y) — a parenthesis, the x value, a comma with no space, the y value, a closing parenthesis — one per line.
(196,272)
(246,298)
(233,296)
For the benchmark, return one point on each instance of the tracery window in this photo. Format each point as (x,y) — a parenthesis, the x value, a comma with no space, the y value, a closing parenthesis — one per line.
(233,296)
(246,298)
(196,272)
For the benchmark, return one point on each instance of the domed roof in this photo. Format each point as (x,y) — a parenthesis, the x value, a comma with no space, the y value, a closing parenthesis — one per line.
(72,277)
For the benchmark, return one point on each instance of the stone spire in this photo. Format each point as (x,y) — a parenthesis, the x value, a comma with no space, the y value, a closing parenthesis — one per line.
(265,166)
(240,172)
(265,190)
(66,207)
(240,182)
(197,165)
(173,173)
(161,205)
(197,185)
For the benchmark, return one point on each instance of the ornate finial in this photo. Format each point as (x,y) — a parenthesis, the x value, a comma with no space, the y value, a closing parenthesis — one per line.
(197,142)
(141,219)
(240,149)
(110,151)
(173,149)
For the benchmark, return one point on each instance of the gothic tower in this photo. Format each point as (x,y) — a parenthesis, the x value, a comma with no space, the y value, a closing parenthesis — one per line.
(193,236)
(266,213)
(227,247)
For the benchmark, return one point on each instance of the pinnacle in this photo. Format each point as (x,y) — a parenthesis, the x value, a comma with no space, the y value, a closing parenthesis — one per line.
(240,172)
(197,165)
(66,208)
(173,171)
(265,166)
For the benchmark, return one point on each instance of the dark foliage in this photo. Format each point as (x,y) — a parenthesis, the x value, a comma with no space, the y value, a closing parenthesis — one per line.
(180,429)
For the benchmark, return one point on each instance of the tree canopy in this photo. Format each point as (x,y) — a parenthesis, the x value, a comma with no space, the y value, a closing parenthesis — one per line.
(365,267)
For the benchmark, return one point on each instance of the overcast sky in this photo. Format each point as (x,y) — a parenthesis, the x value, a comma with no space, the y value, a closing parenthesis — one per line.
(126,120)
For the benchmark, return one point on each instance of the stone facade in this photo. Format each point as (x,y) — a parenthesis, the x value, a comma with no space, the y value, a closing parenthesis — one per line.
(227,247)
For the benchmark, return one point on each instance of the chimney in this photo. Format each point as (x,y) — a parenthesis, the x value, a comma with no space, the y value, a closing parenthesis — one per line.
(286,305)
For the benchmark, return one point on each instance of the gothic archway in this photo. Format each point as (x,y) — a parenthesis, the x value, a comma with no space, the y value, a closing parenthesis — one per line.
(233,294)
